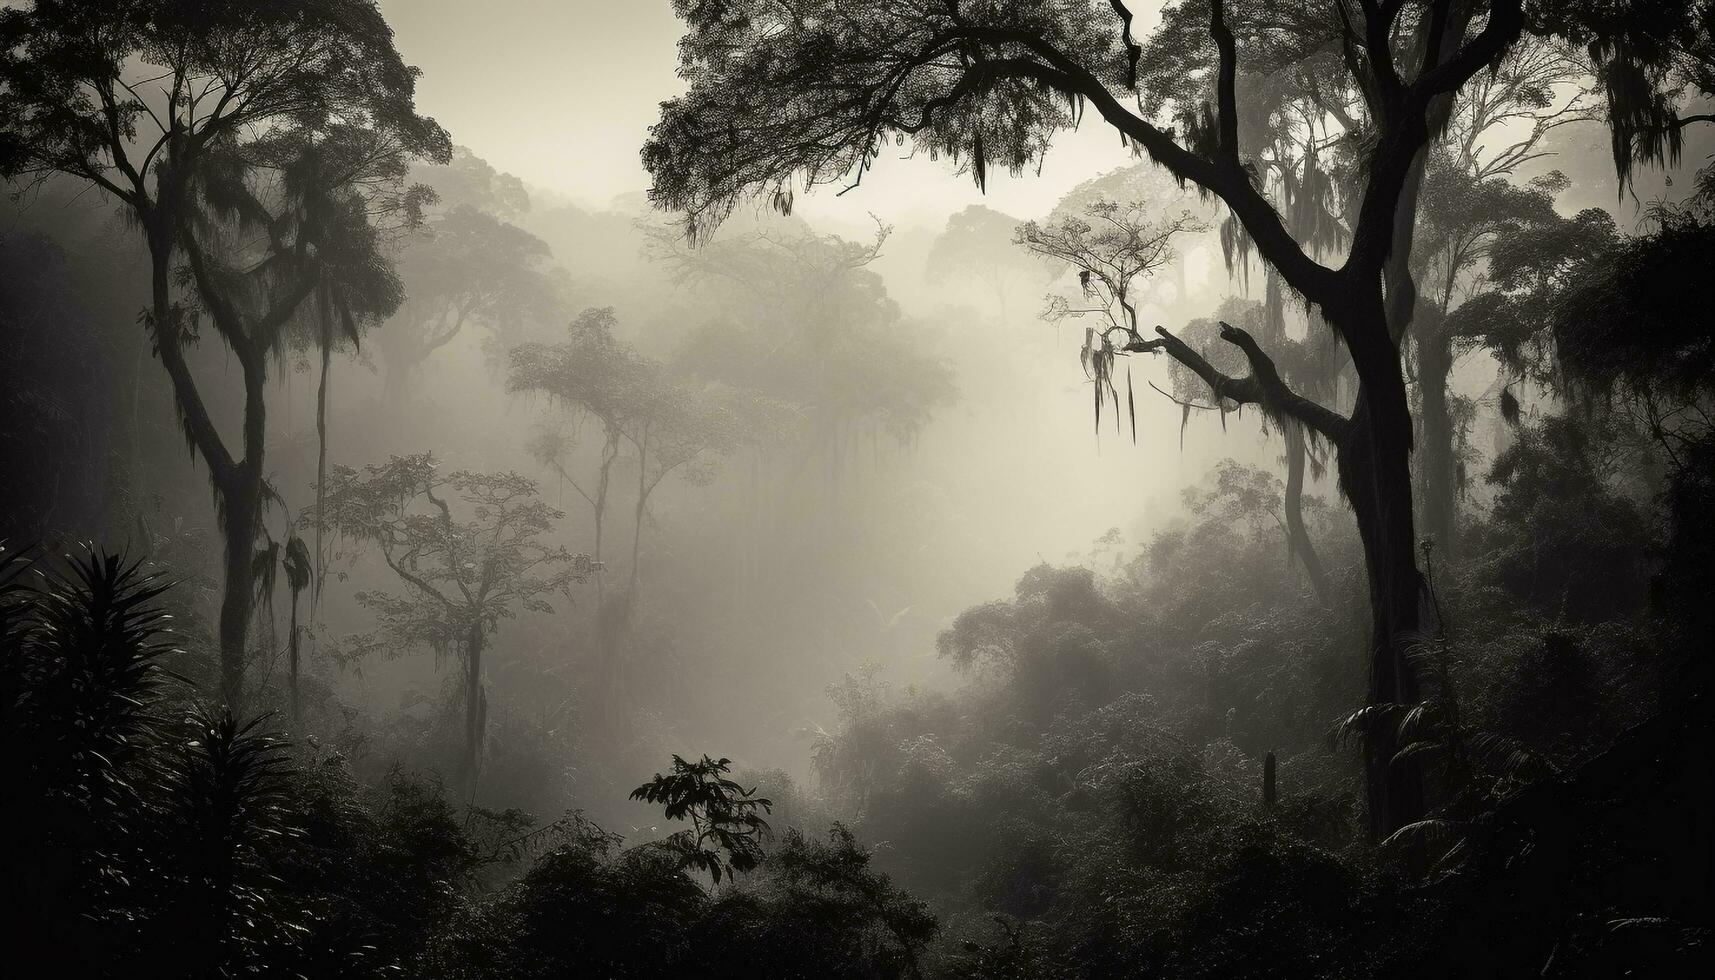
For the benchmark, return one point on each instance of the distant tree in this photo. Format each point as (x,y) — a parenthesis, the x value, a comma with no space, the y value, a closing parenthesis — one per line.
(661,423)
(464,572)
(221,81)
(465,268)
(976,244)
(467,180)
(819,333)
(596,376)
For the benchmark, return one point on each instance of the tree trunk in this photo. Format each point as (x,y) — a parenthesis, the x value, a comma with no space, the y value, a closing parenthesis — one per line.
(637,526)
(1375,475)
(320,565)
(237,485)
(1298,539)
(239,502)
(1437,467)
(609,452)
(292,654)
(475,706)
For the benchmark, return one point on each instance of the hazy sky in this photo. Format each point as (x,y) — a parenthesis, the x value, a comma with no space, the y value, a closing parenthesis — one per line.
(562,93)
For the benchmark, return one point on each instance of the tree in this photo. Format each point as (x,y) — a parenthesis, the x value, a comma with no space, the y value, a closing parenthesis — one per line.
(805,93)
(669,424)
(597,376)
(726,829)
(817,332)
(1468,197)
(161,104)
(463,573)
(466,267)
(976,245)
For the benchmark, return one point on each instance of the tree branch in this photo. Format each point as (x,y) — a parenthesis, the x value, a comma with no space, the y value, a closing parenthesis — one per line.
(1263,386)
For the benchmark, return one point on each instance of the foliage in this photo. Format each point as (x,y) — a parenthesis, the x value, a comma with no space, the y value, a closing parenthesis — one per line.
(1111,246)
(722,813)
(820,341)
(975,245)
(463,572)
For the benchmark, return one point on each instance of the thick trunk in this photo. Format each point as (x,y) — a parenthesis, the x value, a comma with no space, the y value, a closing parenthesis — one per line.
(239,505)
(237,485)
(475,705)
(322,453)
(1375,475)
(1298,538)
(1437,467)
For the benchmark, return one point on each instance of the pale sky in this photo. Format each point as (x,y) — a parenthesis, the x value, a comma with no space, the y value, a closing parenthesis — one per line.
(562,93)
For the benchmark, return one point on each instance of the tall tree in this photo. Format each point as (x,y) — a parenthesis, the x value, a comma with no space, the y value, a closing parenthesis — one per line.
(668,424)
(1468,197)
(598,378)
(151,101)
(464,572)
(784,95)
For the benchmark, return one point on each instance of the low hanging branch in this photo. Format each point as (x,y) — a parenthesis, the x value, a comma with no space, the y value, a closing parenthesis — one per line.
(1263,386)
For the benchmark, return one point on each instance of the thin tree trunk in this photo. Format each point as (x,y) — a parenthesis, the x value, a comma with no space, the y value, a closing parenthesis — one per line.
(475,707)
(292,653)
(609,452)
(1298,538)
(637,525)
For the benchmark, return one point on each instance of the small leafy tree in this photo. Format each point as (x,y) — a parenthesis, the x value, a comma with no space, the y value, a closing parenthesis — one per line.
(726,830)
(463,572)
(1113,247)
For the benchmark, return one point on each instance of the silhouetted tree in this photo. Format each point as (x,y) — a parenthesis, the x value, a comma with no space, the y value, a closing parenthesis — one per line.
(726,829)
(810,91)
(160,104)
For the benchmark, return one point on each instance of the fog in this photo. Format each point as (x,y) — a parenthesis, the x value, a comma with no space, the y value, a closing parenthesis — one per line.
(948,500)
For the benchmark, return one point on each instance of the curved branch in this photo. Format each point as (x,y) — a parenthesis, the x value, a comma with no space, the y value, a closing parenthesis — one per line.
(1268,231)
(1263,386)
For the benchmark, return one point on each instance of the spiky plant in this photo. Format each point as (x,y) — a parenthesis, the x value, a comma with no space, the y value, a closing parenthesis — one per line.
(228,811)
(82,639)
